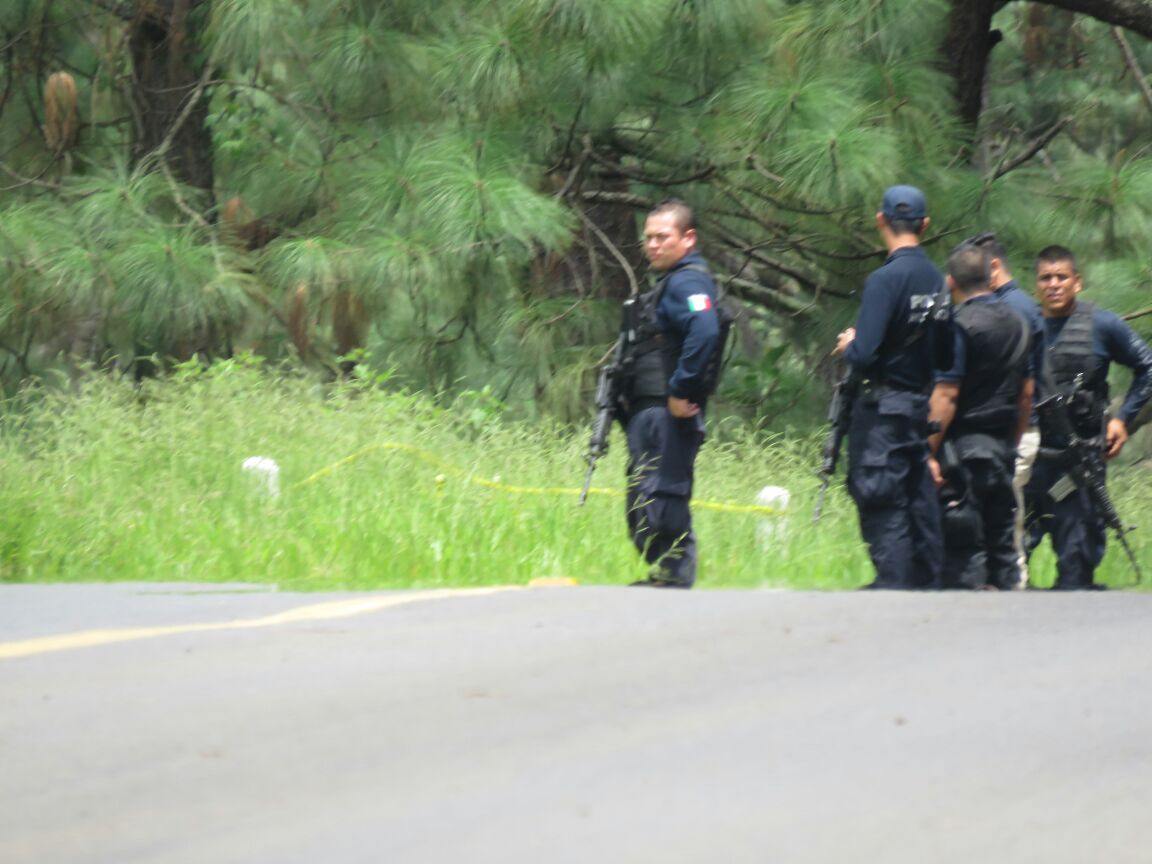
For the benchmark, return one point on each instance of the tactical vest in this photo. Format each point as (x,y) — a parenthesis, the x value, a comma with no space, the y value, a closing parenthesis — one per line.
(998,340)
(1069,357)
(651,354)
(645,378)
(1071,353)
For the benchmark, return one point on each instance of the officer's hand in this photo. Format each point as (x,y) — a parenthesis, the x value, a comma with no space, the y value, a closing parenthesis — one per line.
(1115,436)
(843,341)
(682,407)
(937,474)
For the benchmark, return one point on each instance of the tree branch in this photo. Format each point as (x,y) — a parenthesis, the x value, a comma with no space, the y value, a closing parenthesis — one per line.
(619,170)
(27,181)
(1134,15)
(1133,65)
(1038,144)
(1139,313)
(193,99)
(764,296)
(616,253)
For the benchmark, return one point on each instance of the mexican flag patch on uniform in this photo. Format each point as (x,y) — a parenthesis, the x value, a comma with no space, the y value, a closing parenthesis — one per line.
(699,302)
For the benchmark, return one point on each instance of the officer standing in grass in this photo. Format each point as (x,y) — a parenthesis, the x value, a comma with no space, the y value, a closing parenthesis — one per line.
(1005,288)
(982,405)
(1082,341)
(672,370)
(898,341)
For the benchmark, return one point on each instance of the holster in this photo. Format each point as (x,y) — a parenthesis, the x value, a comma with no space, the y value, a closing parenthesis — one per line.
(962,523)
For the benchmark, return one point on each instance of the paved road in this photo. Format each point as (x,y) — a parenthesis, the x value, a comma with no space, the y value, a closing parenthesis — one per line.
(187,726)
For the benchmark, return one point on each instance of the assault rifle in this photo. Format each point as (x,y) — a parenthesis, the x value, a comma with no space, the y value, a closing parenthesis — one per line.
(607,405)
(839,415)
(1084,458)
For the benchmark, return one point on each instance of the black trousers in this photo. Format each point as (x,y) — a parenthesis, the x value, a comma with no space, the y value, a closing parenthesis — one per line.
(1079,535)
(662,458)
(889,479)
(983,551)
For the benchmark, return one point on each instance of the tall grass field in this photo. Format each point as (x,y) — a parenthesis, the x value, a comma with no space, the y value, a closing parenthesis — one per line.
(116,481)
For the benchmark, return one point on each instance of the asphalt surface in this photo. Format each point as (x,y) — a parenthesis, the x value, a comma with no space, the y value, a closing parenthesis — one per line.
(185,724)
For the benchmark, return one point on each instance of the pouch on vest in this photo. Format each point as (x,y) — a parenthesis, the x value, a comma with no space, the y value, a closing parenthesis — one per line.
(652,356)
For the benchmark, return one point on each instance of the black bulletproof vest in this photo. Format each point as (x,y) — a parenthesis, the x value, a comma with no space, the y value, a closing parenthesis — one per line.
(1069,356)
(651,354)
(644,365)
(1071,353)
(998,340)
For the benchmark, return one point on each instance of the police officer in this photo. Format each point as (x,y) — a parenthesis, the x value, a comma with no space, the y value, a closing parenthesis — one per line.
(982,405)
(1082,341)
(1006,288)
(671,374)
(894,348)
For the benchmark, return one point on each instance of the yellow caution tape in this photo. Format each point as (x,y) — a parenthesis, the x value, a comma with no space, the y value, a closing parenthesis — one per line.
(430,459)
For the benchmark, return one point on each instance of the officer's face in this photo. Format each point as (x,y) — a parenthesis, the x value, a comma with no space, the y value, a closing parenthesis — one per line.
(1057,284)
(664,242)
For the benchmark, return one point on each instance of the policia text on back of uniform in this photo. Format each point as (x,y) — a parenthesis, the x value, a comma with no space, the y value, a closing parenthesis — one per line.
(898,343)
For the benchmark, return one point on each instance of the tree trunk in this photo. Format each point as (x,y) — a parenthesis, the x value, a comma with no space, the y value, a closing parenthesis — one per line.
(970,39)
(163,43)
(966,48)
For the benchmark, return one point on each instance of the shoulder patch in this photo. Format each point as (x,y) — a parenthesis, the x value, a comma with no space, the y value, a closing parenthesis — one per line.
(699,303)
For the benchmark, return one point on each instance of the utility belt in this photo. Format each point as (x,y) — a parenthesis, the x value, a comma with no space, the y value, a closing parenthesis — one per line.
(871,391)
(999,429)
(638,405)
(968,445)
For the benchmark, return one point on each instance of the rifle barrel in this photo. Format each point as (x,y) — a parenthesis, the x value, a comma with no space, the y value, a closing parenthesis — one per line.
(587,484)
(1131,556)
(820,499)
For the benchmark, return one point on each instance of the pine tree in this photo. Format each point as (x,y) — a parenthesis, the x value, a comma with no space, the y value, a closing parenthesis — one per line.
(455,187)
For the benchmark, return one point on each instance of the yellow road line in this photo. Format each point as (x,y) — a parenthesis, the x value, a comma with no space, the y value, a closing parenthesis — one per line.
(314,612)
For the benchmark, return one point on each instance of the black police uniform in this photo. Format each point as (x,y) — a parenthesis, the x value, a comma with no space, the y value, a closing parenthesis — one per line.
(895,352)
(674,361)
(1019,300)
(1083,343)
(992,360)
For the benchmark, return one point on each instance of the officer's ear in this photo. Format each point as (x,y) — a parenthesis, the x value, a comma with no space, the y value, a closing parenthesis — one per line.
(957,297)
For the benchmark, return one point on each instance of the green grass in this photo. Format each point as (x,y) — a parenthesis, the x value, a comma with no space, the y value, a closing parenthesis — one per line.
(384,490)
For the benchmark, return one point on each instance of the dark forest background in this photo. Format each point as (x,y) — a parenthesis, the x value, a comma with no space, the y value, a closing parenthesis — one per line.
(445,194)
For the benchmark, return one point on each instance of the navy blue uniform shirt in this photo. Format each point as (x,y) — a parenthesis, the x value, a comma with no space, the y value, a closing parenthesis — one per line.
(688,309)
(887,349)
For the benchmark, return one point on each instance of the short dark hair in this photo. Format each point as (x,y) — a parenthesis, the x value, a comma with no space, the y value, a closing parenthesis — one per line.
(681,211)
(905,226)
(968,267)
(1054,253)
(990,243)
